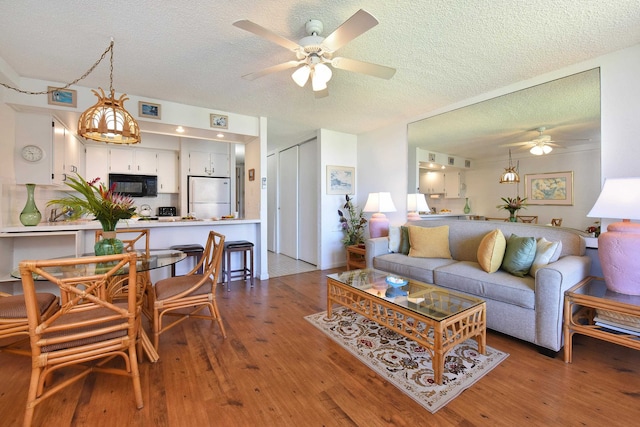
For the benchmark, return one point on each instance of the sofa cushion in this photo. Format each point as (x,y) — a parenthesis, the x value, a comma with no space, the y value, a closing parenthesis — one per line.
(519,255)
(429,242)
(467,276)
(491,251)
(544,251)
(418,268)
(556,253)
(404,241)
(394,239)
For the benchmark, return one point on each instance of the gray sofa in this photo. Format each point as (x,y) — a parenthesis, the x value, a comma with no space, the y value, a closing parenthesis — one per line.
(523,307)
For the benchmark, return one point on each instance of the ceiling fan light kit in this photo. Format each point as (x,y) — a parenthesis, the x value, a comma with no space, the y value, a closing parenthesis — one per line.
(314,52)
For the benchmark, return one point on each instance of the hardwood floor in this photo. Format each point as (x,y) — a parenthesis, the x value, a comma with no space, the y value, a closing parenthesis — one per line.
(275,368)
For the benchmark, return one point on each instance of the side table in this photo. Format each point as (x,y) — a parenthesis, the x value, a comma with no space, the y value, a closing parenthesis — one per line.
(591,309)
(356,257)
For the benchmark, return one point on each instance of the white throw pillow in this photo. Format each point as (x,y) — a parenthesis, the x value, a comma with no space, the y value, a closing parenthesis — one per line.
(544,252)
(394,239)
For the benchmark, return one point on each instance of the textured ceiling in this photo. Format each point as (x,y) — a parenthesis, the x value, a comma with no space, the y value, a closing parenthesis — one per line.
(187,51)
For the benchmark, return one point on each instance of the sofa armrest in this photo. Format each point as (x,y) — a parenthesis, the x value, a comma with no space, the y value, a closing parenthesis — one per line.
(374,247)
(551,283)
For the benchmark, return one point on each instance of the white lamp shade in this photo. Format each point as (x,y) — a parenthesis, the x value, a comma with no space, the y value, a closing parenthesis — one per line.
(619,198)
(301,75)
(417,203)
(379,202)
(540,149)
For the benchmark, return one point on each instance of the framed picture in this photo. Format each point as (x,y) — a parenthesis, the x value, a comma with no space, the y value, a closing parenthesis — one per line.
(149,110)
(252,174)
(341,180)
(553,188)
(219,121)
(64,97)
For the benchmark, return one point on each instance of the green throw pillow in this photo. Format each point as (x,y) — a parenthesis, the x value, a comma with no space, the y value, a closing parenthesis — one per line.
(404,241)
(519,255)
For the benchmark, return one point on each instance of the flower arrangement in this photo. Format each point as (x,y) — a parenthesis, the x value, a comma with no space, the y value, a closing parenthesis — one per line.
(353,225)
(104,203)
(513,205)
(595,229)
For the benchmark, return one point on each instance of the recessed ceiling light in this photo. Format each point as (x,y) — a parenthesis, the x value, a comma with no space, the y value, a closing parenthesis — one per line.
(180,129)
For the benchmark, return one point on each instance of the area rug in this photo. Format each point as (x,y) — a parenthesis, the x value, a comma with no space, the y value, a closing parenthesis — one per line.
(404,363)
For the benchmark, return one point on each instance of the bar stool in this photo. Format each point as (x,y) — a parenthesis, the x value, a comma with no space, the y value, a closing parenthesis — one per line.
(193,250)
(241,273)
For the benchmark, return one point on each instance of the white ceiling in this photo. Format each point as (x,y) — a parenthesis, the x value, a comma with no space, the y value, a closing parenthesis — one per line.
(187,51)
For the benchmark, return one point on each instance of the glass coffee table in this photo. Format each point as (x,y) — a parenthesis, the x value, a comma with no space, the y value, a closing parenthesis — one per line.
(436,318)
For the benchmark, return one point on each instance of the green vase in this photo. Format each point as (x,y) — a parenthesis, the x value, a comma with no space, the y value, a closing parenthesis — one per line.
(467,208)
(512,217)
(108,245)
(30,215)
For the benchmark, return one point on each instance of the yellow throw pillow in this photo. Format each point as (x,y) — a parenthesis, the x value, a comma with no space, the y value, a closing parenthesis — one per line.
(429,242)
(491,251)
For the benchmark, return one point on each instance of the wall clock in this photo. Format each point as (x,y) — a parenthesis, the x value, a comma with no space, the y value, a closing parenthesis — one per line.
(32,153)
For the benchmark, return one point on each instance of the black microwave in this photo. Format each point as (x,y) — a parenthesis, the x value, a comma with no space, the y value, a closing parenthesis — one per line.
(134,185)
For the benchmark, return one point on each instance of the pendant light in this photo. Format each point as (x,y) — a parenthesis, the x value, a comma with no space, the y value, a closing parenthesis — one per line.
(107,120)
(510,174)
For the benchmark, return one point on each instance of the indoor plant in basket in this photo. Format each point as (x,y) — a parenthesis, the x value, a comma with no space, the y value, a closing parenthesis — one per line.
(353,224)
(104,204)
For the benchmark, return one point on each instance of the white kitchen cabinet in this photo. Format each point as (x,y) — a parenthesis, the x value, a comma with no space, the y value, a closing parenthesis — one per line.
(167,172)
(97,163)
(452,185)
(133,161)
(432,183)
(208,164)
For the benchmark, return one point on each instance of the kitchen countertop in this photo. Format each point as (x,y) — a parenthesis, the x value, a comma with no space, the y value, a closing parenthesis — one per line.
(95,225)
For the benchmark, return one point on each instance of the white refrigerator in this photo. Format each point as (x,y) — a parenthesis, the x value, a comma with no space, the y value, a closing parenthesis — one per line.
(209,197)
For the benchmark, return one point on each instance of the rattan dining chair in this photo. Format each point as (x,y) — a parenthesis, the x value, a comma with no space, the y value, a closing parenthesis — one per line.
(89,329)
(14,326)
(530,219)
(187,296)
(556,222)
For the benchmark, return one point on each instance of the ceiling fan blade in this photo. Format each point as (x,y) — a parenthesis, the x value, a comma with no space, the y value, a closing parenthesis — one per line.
(359,23)
(256,29)
(354,65)
(515,144)
(273,69)
(321,93)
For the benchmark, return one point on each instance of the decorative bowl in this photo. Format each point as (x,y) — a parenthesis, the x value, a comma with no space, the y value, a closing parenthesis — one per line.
(396,282)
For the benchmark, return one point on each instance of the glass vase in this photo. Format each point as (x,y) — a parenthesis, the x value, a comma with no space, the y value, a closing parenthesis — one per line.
(467,208)
(108,245)
(30,215)
(512,217)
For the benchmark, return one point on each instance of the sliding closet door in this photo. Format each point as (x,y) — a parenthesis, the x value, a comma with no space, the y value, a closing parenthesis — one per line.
(272,202)
(308,203)
(288,202)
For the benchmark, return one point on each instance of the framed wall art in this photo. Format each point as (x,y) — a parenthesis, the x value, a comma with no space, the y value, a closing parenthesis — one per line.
(219,121)
(149,110)
(550,188)
(252,174)
(64,97)
(341,180)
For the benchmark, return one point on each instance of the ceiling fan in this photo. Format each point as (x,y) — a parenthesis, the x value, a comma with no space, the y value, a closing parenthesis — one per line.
(543,144)
(314,52)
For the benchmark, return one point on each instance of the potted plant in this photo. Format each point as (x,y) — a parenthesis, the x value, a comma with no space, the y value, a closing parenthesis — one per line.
(512,205)
(353,224)
(104,204)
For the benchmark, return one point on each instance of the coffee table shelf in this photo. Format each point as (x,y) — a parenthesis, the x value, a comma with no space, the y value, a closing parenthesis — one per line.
(434,317)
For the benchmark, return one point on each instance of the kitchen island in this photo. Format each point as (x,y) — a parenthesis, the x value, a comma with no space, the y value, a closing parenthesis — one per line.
(74,238)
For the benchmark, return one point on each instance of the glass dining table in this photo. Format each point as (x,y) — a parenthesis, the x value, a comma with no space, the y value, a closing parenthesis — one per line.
(157,258)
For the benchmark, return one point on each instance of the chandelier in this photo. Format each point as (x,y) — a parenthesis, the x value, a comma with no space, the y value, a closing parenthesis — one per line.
(108,121)
(510,174)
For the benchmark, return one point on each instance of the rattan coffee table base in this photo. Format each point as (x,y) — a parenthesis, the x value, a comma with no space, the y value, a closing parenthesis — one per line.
(438,336)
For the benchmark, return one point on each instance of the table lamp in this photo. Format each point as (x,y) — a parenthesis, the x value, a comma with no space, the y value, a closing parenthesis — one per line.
(619,247)
(378,203)
(416,203)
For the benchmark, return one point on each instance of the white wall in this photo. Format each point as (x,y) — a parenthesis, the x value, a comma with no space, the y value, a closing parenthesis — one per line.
(382,153)
(336,149)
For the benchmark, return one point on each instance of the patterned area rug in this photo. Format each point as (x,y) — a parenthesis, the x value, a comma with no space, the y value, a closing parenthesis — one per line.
(404,363)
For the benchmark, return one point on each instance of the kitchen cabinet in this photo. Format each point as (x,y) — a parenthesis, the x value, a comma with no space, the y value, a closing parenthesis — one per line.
(204,163)
(97,161)
(167,172)
(432,183)
(133,161)
(452,185)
